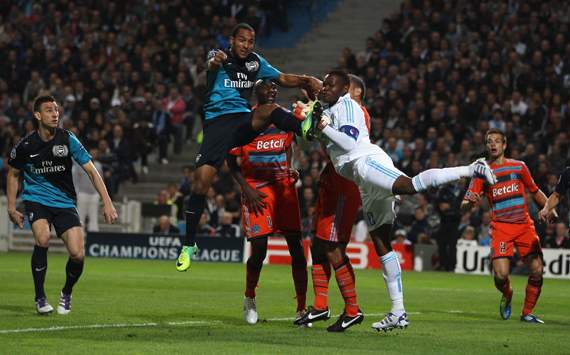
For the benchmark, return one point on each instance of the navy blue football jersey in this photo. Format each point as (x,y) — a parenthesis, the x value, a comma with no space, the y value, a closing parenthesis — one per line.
(46,167)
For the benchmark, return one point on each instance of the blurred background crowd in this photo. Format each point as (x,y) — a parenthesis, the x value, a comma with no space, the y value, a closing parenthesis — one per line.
(130,79)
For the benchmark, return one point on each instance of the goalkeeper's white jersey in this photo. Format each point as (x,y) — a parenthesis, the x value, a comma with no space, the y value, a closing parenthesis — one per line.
(347,116)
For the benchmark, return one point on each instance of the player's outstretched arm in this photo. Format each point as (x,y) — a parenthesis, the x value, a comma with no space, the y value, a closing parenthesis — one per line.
(13,185)
(309,83)
(109,211)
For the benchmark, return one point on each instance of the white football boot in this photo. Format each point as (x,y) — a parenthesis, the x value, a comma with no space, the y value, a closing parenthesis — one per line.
(249,310)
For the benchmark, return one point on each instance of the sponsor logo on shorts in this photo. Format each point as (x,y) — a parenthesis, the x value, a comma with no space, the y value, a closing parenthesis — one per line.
(13,153)
(31,216)
(198,157)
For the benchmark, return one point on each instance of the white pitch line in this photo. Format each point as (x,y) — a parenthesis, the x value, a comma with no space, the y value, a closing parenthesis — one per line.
(103,326)
(153,324)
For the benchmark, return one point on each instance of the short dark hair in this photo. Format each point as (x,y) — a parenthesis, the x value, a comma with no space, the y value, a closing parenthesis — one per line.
(40,100)
(241,26)
(262,83)
(495,131)
(341,75)
(356,80)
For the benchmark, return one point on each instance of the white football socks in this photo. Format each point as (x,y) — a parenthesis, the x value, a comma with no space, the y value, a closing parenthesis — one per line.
(438,177)
(393,278)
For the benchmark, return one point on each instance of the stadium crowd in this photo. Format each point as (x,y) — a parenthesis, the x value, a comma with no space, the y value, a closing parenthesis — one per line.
(438,75)
(129,75)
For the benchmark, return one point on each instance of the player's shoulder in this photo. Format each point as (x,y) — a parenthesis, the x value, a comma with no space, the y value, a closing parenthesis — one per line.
(255,56)
(27,141)
(509,162)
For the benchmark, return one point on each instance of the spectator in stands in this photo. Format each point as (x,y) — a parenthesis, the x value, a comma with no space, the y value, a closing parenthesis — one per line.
(560,239)
(177,199)
(419,224)
(484,234)
(162,129)
(185,184)
(204,228)
(227,228)
(448,202)
(121,148)
(468,236)
(400,238)
(175,106)
(164,226)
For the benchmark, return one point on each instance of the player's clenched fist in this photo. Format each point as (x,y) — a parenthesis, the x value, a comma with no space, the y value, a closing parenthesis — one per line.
(217,57)
(313,86)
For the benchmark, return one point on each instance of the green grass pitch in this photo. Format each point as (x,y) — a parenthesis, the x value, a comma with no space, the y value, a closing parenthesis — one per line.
(140,306)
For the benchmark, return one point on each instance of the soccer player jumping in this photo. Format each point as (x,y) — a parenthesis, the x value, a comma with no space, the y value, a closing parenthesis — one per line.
(269,203)
(511,224)
(229,121)
(354,157)
(44,156)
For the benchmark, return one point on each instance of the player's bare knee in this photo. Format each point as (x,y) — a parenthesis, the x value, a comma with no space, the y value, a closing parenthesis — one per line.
(43,242)
(201,186)
(78,256)
(381,237)
(500,278)
(336,257)
(403,186)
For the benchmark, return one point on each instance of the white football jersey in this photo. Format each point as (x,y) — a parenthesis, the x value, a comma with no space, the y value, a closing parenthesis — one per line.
(347,116)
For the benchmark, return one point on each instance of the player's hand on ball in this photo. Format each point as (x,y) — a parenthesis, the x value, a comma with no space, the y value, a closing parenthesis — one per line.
(110,214)
(17,218)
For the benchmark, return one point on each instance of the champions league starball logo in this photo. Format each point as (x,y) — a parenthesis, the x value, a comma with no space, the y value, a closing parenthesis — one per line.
(60,151)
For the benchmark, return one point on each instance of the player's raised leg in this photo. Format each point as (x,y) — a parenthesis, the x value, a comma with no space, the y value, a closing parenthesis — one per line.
(40,230)
(74,242)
